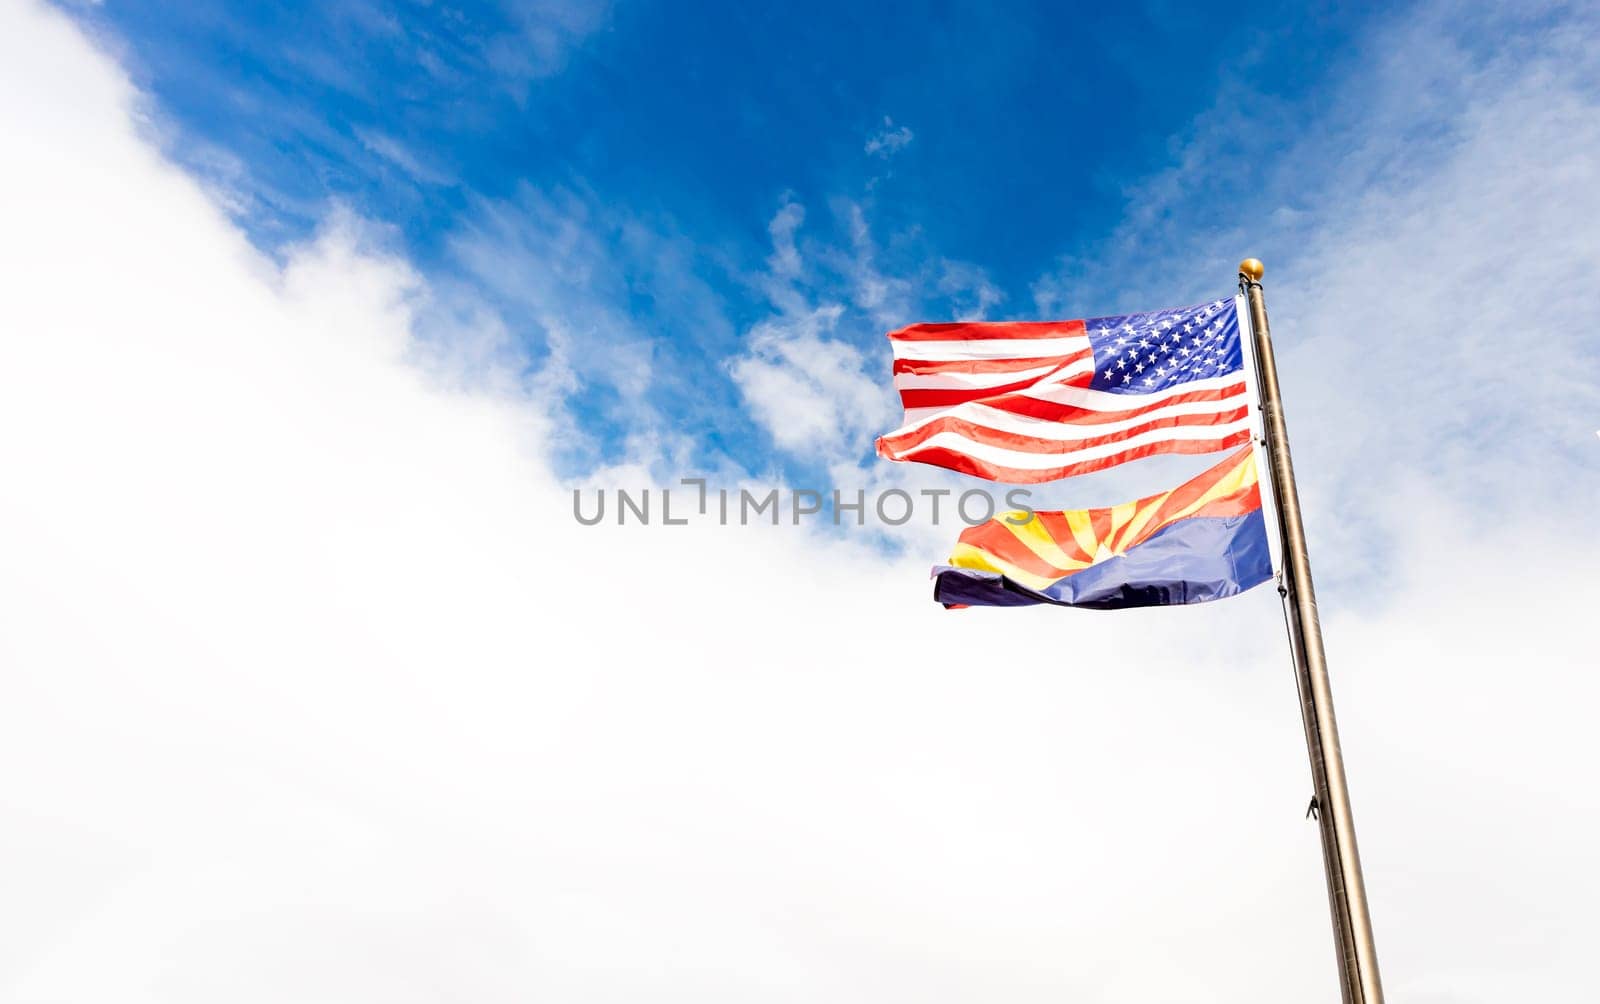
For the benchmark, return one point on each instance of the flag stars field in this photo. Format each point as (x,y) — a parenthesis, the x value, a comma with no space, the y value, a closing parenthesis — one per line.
(1177,347)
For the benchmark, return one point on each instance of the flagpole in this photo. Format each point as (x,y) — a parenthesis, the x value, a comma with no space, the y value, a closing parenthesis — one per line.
(1347,894)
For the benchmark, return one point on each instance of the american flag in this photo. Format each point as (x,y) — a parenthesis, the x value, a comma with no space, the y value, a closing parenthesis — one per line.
(1033,401)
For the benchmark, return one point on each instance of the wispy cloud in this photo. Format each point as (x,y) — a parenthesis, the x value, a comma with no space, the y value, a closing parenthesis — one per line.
(970,290)
(630,307)
(1424,272)
(398,154)
(545,34)
(889,140)
(813,373)
(810,391)
(785,259)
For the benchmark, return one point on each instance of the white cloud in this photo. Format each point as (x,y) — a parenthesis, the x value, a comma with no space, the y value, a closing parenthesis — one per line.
(809,391)
(547,33)
(969,288)
(889,140)
(314,690)
(407,160)
(886,299)
(785,259)
(811,387)
(1427,289)
(806,385)
(544,256)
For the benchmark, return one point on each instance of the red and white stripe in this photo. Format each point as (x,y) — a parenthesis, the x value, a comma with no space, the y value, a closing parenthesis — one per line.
(1011,402)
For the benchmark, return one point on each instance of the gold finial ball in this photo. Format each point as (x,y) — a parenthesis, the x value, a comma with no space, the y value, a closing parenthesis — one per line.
(1253,268)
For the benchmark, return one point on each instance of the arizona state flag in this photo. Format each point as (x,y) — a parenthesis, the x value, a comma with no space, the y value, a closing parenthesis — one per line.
(1203,540)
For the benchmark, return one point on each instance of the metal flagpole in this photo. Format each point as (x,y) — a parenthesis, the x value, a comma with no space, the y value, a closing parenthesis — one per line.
(1347,894)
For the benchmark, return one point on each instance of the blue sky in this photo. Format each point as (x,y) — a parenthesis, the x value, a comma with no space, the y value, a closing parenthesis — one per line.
(975,145)
(1028,119)
(695,230)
